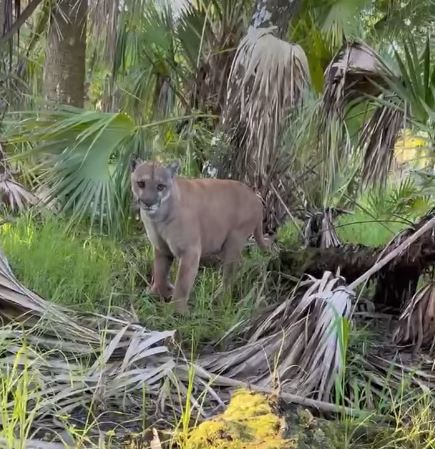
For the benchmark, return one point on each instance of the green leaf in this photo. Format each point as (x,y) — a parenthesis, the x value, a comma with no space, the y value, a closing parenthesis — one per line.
(84,151)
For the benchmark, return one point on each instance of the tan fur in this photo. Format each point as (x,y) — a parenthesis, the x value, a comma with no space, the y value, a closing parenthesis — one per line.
(192,218)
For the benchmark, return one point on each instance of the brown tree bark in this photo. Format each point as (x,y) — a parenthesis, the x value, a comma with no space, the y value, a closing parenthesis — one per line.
(64,68)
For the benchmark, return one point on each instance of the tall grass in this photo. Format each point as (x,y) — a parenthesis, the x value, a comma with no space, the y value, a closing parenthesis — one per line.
(69,268)
(95,273)
(16,410)
(212,313)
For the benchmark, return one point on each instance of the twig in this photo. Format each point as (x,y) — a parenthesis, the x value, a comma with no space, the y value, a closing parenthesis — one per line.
(396,252)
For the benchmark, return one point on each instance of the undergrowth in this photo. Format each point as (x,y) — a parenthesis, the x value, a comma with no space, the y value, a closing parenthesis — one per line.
(68,268)
(376,216)
(96,273)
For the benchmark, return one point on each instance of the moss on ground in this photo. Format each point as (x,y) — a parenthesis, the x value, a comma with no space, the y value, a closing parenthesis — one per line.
(247,423)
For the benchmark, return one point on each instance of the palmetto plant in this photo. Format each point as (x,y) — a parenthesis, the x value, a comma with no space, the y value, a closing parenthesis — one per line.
(158,60)
(159,66)
(387,95)
(82,158)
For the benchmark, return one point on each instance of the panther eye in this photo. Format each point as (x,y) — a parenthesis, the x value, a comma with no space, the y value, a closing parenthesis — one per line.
(160,187)
(141,184)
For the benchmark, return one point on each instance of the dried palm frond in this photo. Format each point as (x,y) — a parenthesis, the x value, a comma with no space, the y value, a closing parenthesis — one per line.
(355,71)
(416,325)
(267,79)
(355,75)
(12,194)
(329,237)
(297,345)
(377,141)
(79,364)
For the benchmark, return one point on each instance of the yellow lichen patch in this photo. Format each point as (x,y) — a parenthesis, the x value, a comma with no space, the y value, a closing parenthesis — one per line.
(248,423)
(413,150)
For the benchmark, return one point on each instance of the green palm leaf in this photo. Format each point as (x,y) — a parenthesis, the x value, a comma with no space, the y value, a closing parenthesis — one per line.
(78,157)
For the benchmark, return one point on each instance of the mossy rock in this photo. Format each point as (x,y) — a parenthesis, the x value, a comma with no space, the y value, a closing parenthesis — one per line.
(247,423)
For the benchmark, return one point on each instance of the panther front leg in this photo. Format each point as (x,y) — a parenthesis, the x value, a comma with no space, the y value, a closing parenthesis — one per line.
(186,274)
(162,266)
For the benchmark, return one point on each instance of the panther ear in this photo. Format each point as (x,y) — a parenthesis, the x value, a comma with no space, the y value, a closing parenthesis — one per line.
(173,167)
(134,162)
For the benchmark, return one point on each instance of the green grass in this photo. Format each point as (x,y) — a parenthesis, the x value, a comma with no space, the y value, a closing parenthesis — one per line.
(362,228)
(94,273)
(68,268)
(377,216)
(356,228)
(289,234)
(16,410)
(211,313)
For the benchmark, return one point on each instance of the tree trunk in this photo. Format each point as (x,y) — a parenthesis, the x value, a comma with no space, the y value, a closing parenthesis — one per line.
(64,68)
(274,13)
(2,17)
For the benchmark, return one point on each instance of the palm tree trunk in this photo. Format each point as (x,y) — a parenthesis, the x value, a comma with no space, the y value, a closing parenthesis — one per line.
(274,13)
(64,68)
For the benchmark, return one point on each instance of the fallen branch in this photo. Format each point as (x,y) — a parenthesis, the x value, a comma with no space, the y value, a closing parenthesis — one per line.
(322,406)
(393,254)
(396,268)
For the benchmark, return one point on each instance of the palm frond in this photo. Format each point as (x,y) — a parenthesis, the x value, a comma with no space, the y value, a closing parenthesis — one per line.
(268,78)
(355,77)
(339,19)
(356,71)
(209,33)
(13,195)
(78,362)
(416,325)
(268,81)
(297,345)
(377,140)
(415,83)
(408,98)
(77,158)
(149,34)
